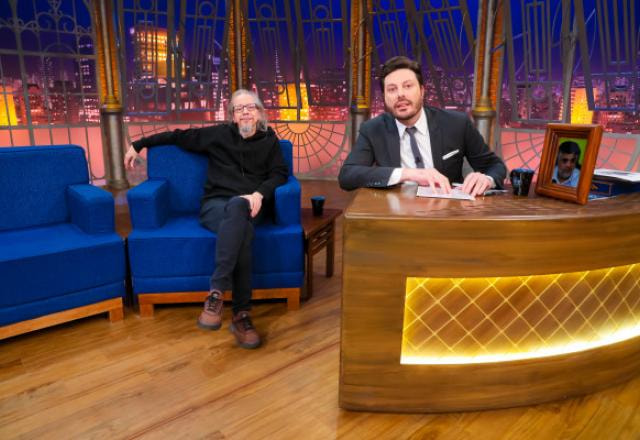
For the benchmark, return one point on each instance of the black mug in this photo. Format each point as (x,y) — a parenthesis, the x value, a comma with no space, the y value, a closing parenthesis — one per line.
(317,205)
(521,181)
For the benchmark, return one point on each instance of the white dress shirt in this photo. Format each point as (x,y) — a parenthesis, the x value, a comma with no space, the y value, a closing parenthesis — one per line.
(407,159)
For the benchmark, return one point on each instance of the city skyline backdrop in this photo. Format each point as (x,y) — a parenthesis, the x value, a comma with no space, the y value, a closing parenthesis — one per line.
(175,71)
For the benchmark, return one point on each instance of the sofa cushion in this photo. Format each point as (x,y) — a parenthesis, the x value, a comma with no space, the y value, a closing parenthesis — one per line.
(47,261)
(34,182)
(185,172)
(276,249)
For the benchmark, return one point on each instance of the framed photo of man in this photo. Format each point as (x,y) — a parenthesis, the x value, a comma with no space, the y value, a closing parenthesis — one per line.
(568,159)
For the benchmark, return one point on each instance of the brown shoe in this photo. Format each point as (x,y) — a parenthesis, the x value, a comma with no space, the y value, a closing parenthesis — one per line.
(244,331)
(211,316)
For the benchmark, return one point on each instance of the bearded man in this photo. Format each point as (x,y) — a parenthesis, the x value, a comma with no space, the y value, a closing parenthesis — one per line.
(245,165)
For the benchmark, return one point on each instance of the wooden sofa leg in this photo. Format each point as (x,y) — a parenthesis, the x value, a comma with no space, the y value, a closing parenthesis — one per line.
(293,300)
(146,310)
(116,314)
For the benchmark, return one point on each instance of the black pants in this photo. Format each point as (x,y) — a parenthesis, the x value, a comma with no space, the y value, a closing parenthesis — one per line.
(230,219)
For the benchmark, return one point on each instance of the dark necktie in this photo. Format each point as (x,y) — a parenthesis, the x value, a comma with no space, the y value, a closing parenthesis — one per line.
(414,146)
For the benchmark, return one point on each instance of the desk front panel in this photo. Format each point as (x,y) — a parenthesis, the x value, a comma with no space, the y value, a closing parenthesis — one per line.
(476,311)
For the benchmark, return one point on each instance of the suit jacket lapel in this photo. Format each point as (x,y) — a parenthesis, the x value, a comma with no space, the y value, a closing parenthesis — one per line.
(394,140)
(435,137)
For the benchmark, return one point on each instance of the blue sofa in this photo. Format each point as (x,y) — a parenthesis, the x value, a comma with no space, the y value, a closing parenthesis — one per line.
(60,258)
(172,256)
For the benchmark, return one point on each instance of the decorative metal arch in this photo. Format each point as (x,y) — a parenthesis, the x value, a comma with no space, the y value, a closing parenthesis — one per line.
(49,86)
(535,77)
(440,36)
(610,59)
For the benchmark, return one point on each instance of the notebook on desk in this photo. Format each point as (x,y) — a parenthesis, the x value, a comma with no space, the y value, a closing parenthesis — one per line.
(609,183)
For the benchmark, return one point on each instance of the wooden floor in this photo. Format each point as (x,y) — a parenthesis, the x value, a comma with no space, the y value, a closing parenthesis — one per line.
(164,378)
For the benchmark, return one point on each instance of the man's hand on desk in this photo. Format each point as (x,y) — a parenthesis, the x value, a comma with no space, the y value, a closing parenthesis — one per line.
(426,177)
(476,184)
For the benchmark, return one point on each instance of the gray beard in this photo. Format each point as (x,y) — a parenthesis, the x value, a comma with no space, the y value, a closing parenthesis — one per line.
(246,130)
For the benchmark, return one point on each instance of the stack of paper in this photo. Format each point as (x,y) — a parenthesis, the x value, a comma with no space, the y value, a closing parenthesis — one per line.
(622,176)
(456,193)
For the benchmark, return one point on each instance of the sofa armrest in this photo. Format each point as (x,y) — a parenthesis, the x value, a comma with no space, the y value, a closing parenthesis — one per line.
(149,204)
(91,208)
(287,202)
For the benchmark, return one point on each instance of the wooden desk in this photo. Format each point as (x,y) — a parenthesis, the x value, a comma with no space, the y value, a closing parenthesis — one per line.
(452,305)
(319,233)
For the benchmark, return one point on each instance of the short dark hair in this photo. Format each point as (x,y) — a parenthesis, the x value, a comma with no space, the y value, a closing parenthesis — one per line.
(400,62)
(570,147)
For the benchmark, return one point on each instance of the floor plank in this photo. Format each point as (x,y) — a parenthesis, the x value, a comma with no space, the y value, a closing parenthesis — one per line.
(164,378)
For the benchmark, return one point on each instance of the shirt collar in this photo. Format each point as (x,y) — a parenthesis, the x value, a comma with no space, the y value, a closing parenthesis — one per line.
(421,124)
(571,181)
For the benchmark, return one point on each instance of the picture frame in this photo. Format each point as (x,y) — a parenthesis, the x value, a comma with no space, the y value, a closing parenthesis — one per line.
(568,159)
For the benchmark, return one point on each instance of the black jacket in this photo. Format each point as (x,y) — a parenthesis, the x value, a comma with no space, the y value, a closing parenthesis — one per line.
(236,166)
(377,150)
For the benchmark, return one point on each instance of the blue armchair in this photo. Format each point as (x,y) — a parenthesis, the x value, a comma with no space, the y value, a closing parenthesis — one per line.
(172,256)
(60,258)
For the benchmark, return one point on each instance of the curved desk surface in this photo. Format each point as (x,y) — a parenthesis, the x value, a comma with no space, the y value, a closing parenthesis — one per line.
(457,305)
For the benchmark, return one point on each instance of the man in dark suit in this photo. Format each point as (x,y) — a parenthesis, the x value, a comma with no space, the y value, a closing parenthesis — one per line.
(415,143)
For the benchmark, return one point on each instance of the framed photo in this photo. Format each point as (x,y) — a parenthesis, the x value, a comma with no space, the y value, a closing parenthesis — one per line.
(568,159)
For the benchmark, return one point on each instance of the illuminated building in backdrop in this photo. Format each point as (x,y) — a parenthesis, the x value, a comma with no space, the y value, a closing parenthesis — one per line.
(150,51)
(7,107)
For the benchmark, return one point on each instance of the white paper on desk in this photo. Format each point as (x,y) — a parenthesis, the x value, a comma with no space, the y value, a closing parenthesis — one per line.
(456,193)
(624,176)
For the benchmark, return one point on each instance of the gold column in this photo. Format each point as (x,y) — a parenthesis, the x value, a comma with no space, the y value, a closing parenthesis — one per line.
(360,66)
(487,67)
(238,69)
(569,39)
(111,111)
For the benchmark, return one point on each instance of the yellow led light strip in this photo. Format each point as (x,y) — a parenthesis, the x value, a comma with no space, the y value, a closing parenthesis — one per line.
(573,347)
(565,313)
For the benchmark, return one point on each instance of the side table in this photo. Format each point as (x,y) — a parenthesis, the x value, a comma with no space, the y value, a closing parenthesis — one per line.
(319,233)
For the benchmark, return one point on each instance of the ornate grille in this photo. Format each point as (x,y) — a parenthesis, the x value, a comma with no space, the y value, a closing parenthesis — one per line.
(324,25)
(272,43)
(446,42)
(534,73)
(440,36)
(305,90)
(609,39)
(603,77)
(201,61)
(48,90)
(174,57)
(147,33)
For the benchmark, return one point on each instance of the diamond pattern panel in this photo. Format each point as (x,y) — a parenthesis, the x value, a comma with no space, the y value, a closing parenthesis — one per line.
(467,317)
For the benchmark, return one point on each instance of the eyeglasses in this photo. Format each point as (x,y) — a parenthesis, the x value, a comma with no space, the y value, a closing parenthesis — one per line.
(240,107)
